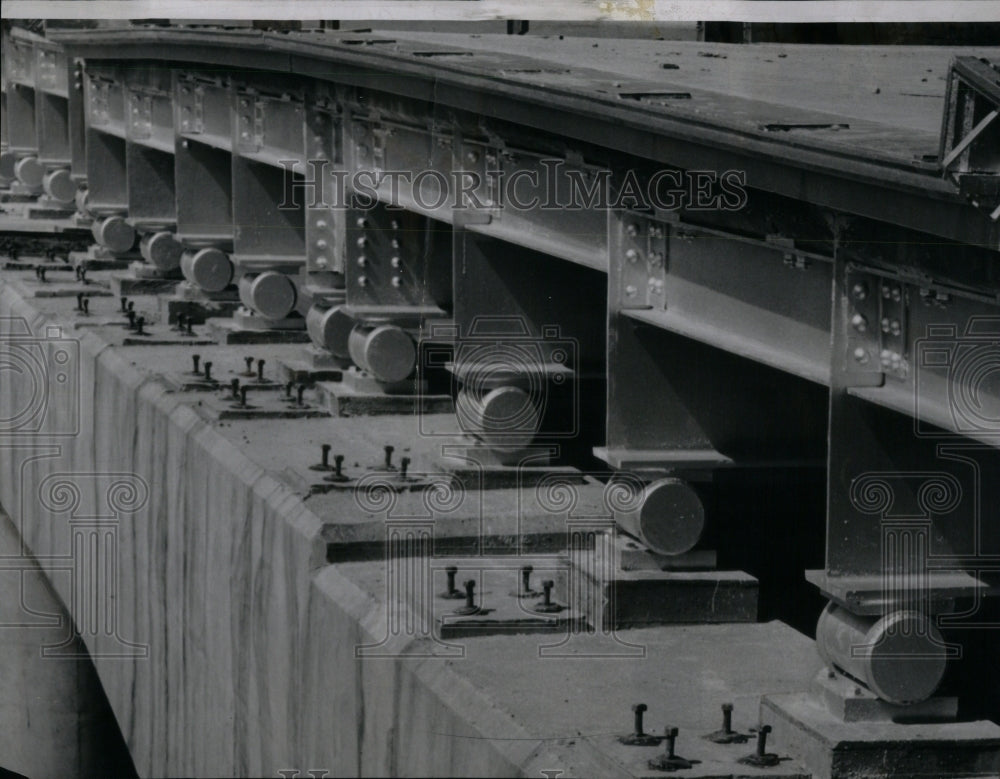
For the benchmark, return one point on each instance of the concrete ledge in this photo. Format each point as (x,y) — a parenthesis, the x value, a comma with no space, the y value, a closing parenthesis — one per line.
(236,649)
(238,653)
(833,749)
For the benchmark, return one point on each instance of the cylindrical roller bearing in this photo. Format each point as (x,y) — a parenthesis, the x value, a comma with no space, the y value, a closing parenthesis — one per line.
(900,657)
(114,234)
(29,171)
(81,197)
(209,269)
(503,417)
(8,160)
(386,351)
(58,184)
(669,517)
(330,329)
(269,294)
(162,250)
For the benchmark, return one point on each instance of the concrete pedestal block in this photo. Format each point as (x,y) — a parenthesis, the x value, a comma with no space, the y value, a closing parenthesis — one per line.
(833,749)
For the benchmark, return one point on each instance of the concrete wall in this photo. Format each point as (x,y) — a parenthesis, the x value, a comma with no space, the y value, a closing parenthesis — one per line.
(230,649)
(56,719)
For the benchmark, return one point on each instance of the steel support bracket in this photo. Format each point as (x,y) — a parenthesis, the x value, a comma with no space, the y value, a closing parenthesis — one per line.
(970,134)
(139,105)
(191,107)
(98,101)
(640,254)
(875,317)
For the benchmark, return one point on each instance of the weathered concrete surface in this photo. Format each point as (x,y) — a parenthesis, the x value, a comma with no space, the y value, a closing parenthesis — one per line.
(834,749)
(229,645)
(55,719)
(214,605)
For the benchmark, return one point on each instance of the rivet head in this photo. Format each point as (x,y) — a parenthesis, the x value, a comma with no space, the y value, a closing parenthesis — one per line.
(859,290)
(859,323)
(861,355)
(631,255)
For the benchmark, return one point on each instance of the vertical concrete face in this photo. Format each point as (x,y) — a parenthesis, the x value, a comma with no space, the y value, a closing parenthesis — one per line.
(230,650)
(56,718)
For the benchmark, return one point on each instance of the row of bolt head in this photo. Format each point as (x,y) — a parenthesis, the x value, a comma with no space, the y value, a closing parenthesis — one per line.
(634,229)
(887,358)
(655,258)
(396,281)
(889,326)
(760,757)
(655,287)
(524,590)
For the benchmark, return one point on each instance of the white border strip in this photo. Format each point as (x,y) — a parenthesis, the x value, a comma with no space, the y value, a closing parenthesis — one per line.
(481,10)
